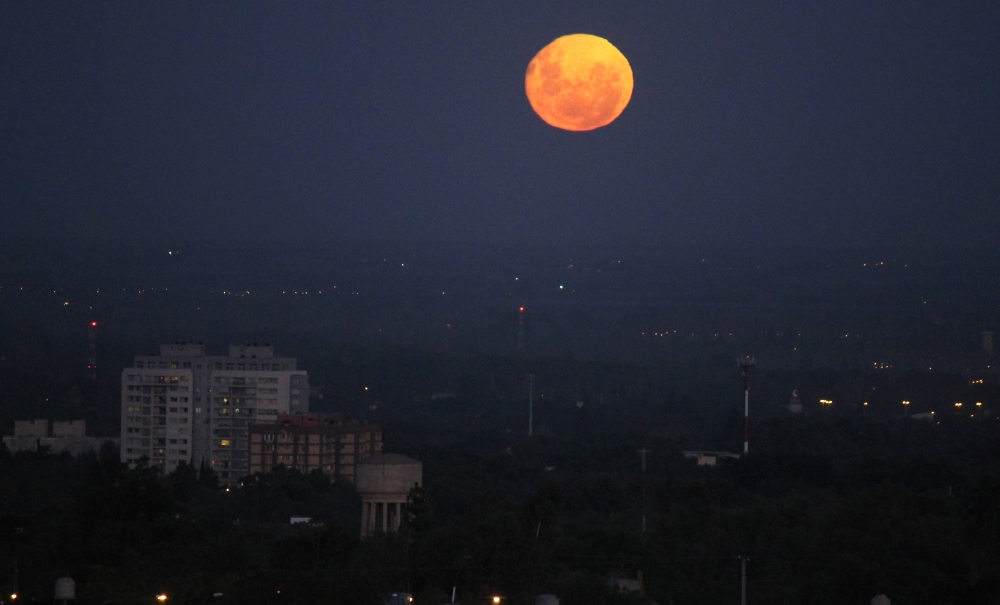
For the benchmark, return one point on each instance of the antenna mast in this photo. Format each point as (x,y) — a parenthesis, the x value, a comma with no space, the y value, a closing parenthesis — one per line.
(520,331)
(746,364)
(531,405)
(643,452)
(92,358)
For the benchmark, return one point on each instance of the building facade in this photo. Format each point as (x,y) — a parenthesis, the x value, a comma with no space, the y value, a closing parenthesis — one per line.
(313,441)
(156,417)
(186,406)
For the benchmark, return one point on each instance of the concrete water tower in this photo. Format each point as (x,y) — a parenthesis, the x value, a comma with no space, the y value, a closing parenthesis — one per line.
(384,481)
(65,590)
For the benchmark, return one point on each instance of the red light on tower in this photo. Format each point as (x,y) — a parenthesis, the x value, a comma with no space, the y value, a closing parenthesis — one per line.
(520,330)
(92,359)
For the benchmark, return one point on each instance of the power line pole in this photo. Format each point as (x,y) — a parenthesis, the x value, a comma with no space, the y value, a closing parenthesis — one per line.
(746,364)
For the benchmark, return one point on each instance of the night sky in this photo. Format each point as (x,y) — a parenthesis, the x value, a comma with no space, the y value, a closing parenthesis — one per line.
(766,123)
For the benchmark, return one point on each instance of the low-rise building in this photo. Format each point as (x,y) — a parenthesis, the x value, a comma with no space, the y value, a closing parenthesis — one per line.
(709,458)
(313,441)
(63,436)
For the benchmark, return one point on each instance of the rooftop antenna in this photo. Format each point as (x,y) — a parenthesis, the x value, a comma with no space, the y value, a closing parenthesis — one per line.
(746,364)
(92,358)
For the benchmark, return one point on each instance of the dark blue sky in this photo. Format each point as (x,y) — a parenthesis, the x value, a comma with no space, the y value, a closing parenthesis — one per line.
(833,123)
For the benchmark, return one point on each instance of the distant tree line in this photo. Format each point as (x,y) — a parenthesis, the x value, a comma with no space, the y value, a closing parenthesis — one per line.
(828,510)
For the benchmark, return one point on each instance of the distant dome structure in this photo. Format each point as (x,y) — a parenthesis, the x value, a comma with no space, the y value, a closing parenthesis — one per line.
(384,481)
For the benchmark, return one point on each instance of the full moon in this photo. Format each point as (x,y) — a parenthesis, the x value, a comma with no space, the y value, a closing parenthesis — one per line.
(579,82)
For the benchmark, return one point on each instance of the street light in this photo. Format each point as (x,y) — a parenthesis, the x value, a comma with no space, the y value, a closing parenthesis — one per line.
(160,598)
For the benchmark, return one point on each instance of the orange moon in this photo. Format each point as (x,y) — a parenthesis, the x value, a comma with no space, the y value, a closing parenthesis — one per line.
(579,82)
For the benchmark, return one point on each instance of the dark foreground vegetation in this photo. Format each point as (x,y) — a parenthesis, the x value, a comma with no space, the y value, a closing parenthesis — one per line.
(829,510)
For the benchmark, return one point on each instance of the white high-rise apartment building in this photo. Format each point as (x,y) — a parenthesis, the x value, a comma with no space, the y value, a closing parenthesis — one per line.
(185,406)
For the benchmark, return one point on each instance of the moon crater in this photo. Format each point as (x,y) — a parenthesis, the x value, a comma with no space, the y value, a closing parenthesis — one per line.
(579,82)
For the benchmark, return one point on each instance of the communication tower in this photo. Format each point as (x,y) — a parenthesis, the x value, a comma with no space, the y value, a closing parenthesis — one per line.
(92,358)
(531,404)
(520,330)
(746,364)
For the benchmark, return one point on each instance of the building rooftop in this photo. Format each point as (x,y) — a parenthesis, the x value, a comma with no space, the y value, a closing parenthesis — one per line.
(389,459)
(310,419)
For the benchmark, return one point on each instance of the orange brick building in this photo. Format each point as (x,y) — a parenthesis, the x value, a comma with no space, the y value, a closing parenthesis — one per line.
(313,441)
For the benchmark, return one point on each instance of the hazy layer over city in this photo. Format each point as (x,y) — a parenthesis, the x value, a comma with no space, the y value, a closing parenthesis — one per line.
(736,343)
